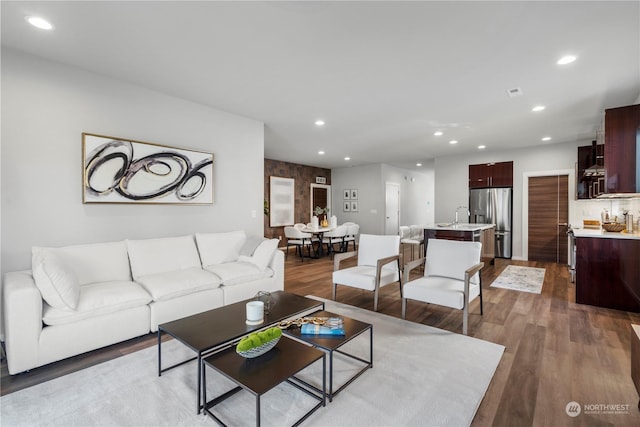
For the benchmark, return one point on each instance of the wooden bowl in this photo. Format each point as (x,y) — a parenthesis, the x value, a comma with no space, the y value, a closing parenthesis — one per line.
(613,226)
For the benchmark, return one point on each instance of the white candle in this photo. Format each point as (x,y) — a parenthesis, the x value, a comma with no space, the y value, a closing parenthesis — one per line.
(255,312)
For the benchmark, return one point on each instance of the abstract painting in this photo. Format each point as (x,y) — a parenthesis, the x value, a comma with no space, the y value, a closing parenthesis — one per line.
(125,171)
(282,201)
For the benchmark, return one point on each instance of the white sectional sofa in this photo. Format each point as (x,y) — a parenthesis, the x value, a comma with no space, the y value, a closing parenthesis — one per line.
(80,298)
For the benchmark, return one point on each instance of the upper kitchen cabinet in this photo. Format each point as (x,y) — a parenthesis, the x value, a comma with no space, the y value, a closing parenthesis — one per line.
(621,149)
(590,171)
(491,175)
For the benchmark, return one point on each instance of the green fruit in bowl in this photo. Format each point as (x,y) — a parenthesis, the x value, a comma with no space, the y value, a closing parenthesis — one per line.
(254,340)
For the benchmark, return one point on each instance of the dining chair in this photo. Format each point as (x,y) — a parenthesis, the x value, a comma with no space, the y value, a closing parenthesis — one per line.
(299,240)
(333,237)
(378,265)
(451,277)
(353,230)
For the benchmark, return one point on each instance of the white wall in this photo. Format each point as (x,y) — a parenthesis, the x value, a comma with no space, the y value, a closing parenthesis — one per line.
(452,179)
(416,194)
(46,107)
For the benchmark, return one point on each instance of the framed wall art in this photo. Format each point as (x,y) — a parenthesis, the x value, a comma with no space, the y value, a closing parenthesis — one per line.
(346,194)
(116,170)
(282,201)
(354,194)
(354,206)
(346,206)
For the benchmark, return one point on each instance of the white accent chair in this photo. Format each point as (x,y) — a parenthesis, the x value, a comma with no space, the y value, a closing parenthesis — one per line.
(353,230)
(299,239)
(335,237)
(451,277)
(378,265)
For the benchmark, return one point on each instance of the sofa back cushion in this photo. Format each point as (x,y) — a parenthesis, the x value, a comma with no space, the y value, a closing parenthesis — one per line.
(153,256)
(218,248)
(262,255)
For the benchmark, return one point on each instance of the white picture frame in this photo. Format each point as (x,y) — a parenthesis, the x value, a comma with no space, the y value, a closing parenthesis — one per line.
(354,194)
(346,206)
(346,194)
(354,206)
(282,201)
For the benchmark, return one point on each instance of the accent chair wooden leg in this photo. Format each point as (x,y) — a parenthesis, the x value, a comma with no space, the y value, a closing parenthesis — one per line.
(334,291)
(465,318)
(375,300)
(404,308)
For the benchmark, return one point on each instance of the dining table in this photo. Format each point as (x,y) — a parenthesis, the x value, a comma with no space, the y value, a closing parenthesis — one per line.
(319,232)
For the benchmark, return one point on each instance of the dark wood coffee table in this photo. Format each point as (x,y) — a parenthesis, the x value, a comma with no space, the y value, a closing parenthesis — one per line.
(263,373)
(332,344)
(217,329)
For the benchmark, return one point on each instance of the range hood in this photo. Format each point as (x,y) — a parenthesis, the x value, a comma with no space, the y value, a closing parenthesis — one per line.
(595,170)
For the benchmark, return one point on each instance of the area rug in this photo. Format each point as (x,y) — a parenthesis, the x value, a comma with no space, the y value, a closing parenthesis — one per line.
(524,279)
(421,376)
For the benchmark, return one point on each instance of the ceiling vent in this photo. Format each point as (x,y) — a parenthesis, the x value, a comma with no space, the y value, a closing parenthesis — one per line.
(516,91)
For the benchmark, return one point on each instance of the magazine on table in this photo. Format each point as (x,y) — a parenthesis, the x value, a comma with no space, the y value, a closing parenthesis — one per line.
(331,326)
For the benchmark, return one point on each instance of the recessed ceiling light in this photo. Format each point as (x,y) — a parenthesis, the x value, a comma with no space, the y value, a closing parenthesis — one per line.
(546,138)
(567,59)
(438,133)
(319,122)
(418,164)
(538,108)
(38,22)
(453,141)
(481,147)
(321,152)
(347,158)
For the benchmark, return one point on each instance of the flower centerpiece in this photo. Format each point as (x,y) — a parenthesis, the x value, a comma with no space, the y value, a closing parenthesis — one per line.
(322,214)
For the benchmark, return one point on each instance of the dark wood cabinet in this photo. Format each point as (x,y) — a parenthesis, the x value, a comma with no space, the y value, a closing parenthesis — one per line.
(608,273)
(589,183)
(622,137)
(491,175)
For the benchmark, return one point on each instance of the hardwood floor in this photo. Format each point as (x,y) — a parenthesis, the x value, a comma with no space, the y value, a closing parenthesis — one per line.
(556,351)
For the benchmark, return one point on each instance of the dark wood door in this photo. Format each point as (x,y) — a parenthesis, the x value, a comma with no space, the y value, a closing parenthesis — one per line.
(548,218)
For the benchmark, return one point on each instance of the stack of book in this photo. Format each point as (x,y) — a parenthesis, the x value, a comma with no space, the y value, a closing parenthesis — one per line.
(331,326)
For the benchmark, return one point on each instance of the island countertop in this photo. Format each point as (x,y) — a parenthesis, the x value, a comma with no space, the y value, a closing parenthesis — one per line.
(599,233)
(458,227)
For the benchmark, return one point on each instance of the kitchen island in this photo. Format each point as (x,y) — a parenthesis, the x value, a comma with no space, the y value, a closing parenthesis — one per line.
(483,233)
(608,269)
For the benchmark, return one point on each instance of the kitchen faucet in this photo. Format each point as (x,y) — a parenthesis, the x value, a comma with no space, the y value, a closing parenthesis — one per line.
(462,207)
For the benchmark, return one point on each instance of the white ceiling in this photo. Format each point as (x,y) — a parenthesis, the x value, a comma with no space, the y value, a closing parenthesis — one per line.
(383,75)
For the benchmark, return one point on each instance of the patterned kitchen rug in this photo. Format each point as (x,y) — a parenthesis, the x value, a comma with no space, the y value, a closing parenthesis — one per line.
(524,279)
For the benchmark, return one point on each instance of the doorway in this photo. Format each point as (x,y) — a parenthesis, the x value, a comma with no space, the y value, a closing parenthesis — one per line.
(320,196)
(392,208)
(548,218)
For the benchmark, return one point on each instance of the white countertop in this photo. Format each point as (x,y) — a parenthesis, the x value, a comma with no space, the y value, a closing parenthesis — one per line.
(458,227)
(590,232)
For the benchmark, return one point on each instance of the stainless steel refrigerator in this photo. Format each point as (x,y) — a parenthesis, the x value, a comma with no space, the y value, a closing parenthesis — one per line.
(494,206)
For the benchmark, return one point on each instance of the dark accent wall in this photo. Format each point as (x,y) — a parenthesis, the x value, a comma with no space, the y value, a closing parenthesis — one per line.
(304,176)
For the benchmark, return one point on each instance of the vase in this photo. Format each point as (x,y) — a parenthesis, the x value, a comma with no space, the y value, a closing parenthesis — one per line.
(324,223)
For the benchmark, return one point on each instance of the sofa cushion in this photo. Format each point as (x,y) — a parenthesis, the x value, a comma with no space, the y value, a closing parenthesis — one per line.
(234,273)
(153,256)
(56,281)
(251,244)
(263,254)
(98,299)
(176,283)
(97,262)
(216,248)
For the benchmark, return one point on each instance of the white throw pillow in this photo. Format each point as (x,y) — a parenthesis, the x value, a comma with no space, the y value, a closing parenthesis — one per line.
(262,255)
(218,248)
(57,282)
